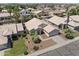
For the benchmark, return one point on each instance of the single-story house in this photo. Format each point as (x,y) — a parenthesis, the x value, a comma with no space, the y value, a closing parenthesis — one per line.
(75,18)
(8,29)
(5,17)
(50,30)
(4,42)
(57,21)
(24,12)
(74,22)
(60,13)
(36,12)
(4,11)
(30,9)
(33,24)
(6,32)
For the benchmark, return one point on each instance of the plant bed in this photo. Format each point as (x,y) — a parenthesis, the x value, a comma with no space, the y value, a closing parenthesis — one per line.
(35,37)
(32,47)
(69,34)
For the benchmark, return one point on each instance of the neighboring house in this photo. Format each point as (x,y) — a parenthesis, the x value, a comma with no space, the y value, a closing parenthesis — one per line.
(4,11)
(4,43)
(37,12)
(74,22)
(60,13)
(6,32)
(10,29)
(50,30)
(5,17)
(57,21)
(30,9)
(24,12)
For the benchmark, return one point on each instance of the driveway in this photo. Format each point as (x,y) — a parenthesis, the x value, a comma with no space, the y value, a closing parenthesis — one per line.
(59,39)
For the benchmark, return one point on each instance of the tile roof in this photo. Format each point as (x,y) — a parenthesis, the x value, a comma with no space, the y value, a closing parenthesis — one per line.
(8,29)
(3,40)
(33,24)
(56,20)
(49,28)
(5,14)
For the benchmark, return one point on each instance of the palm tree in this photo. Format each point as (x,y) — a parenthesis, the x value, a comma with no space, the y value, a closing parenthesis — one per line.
(68,14)
(0,8)
(77,10)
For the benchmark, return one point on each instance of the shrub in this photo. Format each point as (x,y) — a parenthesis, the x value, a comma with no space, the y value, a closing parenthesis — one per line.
(32,32)
(25,53)
(23,34)
(14,37)
(35,37)
(35,48)
(70,36)
(69,33)
(37,40)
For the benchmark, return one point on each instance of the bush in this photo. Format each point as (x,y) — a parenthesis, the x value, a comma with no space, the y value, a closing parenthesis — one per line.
(69,34)
(35,48)
(23,34)
(37,40)
(35,37)
(14,37)
(25,53)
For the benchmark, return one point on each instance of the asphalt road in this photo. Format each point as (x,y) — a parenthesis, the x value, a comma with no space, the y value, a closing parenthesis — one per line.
(71,49)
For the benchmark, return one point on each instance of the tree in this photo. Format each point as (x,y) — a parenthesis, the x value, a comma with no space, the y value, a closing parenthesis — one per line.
(67,16)
(74,11)
(1,8)
(77,10)
(35,37)
(10,9)
(16,16)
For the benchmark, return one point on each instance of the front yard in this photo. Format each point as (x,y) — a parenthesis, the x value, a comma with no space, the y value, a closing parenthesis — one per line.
(33,47)
(18,48)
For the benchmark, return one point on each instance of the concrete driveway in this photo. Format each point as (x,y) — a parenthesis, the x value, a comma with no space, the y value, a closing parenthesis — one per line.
(59,39)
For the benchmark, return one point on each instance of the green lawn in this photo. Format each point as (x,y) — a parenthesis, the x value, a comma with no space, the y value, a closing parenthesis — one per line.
(18,48)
